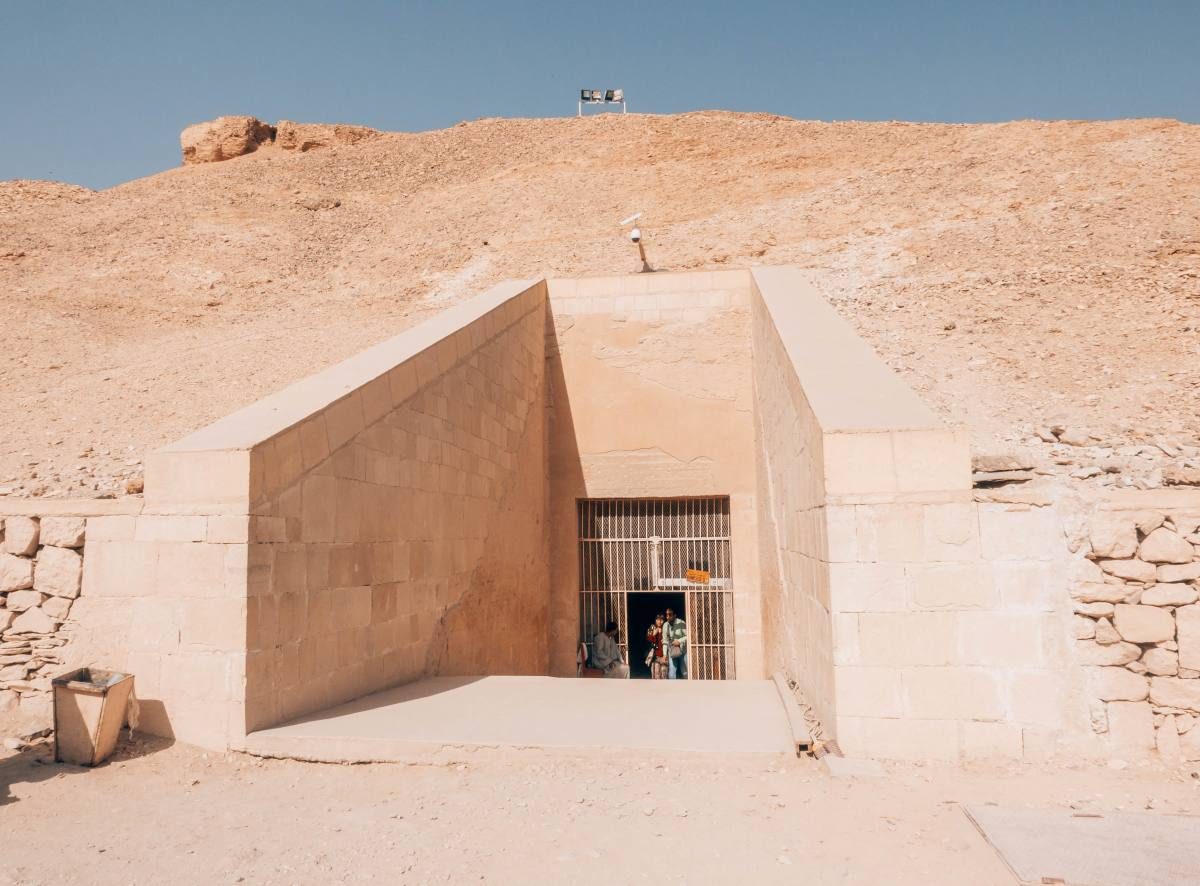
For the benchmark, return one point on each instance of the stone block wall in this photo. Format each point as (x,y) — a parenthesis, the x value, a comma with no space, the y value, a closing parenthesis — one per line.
(1135,590)
(917,622)
(792,541)
(41,565)
(400,531)
(649,395)
(949,628)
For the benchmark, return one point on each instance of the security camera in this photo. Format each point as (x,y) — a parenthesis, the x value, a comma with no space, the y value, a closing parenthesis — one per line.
(635,235)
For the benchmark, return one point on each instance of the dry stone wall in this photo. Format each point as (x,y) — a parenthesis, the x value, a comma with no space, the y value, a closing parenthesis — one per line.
(1136,596)
(41,564)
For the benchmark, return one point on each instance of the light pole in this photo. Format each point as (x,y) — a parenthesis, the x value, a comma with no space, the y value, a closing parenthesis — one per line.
(635,235)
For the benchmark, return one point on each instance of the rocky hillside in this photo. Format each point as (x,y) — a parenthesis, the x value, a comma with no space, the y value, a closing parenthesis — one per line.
(1027,278)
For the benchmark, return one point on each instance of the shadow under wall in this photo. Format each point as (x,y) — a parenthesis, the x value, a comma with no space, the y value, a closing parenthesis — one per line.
(565,487)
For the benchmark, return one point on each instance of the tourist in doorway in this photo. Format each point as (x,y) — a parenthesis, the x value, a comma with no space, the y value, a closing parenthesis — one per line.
(606,653)
(656,658)
(675,640)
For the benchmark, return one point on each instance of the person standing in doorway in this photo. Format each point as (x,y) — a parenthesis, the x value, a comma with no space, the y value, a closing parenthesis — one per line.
(675,640)
(656,658)
(606,653)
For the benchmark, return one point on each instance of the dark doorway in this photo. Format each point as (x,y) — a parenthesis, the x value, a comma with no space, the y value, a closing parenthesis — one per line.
(642,607)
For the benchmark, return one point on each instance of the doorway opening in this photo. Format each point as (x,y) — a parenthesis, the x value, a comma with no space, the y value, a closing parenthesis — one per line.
(641,609)
(631,548)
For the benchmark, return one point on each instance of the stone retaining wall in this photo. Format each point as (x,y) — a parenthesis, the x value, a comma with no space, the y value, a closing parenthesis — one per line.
(41,564)
(1137,623)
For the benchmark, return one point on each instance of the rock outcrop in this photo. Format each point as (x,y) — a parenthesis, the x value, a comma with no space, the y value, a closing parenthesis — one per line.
(224,139)
(306,136)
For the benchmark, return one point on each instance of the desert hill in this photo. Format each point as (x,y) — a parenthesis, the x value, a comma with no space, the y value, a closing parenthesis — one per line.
(1020,275)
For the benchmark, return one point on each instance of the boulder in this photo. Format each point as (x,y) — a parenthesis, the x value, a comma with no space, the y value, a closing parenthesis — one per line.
(58,572)
(1187,623)
(19,601)
(21,535)
(1089,652)
(1117,684)
(1164,546)
(63,532)
(16,573)
(1161,662)
(1171,572)
(1130,570)
(1143,624)
(1113,535)
(1172,692)
(223,139)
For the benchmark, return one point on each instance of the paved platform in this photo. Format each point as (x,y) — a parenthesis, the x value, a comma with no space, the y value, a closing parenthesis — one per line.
(406,723)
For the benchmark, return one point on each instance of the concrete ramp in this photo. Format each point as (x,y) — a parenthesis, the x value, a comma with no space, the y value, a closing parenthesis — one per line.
(409,722)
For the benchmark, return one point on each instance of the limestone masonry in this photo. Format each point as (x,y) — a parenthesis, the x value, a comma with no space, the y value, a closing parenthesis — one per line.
(413,511)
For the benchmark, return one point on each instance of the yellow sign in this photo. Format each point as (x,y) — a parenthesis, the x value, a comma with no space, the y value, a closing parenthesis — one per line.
(697,576)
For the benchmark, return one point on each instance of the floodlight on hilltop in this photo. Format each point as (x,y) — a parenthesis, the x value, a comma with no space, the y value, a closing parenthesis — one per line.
(601,97)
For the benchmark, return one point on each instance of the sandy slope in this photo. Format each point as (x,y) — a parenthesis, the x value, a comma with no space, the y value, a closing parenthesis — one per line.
(1016,274)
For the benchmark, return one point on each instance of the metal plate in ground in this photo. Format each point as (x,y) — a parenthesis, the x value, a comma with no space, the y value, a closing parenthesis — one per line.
(1113,849)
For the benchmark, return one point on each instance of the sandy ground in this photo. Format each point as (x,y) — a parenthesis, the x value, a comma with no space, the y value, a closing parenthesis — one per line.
(1018,275)
(159,813)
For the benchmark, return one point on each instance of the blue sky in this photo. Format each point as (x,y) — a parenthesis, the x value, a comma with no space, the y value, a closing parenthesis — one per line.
(97,92)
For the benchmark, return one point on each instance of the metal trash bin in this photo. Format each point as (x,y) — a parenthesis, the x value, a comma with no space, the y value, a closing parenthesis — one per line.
(89,711)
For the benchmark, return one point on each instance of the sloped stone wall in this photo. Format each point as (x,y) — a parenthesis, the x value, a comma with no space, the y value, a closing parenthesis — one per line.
(1137,623)
(41,564)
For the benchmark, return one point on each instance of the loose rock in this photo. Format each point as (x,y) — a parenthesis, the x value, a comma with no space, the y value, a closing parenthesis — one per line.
(1089,652)
(1143,624)
(1106,634)
(63,532)
(1118,684)
(1169,573)
(1169,595)
(1173,692)
(21,535)
(1161,662)
(19,601)
(1130,570)
(58,572)
(16,573)
(1164,546)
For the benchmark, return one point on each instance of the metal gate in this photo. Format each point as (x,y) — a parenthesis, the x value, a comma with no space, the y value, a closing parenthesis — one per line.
(646,545)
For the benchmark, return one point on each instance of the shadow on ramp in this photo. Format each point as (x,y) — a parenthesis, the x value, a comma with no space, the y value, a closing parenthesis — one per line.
(408,723)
